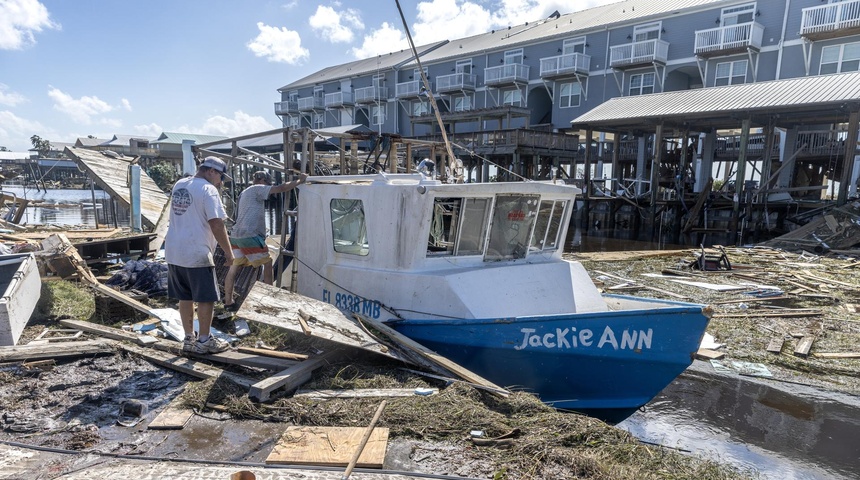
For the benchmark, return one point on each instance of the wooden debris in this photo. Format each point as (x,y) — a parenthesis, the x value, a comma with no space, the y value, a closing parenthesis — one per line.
(290,378)
(229,357)
(363,393)
(108,332)
(708,354)
(775,344)
(803,346)
(186,365)
(331,446)
(304,319)
(173,417)
(272,353)
(837,354)
(367,433)
(55,350)
(665,292)
(53,334)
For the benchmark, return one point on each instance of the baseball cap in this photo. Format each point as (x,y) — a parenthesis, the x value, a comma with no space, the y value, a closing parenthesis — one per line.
(262,176)
(216,164)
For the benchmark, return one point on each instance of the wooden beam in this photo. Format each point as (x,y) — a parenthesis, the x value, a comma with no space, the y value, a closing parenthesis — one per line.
(42,351)
(186,365)
(804,345)
(109,332)
(290,378)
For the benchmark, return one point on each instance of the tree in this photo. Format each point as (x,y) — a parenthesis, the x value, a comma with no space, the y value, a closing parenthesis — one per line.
(163,174)
(40,145)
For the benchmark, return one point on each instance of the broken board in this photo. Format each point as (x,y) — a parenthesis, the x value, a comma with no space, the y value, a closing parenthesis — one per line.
(171,418)
(329,446)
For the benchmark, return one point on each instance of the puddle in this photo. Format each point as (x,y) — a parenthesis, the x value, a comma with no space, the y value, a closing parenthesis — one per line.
(782,431)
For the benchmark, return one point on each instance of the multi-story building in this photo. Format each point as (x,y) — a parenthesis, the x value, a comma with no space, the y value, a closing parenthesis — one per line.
(511,94)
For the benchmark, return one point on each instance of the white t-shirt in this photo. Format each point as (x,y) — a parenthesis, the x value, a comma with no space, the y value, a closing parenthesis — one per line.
(189,241)
(251,214)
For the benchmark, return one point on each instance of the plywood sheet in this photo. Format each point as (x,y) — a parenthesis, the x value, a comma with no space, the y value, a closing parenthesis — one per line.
(171,418)
(332,446)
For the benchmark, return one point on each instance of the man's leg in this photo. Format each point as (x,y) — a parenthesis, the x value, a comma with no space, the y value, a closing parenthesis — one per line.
(204,318)
(268,275)
(229,283)
(186,314)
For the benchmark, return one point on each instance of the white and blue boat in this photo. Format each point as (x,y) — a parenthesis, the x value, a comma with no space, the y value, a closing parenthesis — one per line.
(475,272)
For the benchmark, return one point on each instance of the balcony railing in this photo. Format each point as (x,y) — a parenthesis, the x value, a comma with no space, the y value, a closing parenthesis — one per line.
(370,94)
(338,99)
(409,89)
(732,37)
(638,53)
(508,73)
(456,81)
(572,63)
(284,108)
(831,17)
(311,103)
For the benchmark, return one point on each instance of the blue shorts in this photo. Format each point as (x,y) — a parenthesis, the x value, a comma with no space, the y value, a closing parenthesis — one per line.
(197,284)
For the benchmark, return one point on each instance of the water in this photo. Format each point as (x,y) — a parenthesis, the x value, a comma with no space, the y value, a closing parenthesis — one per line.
(779,430)
(68,207)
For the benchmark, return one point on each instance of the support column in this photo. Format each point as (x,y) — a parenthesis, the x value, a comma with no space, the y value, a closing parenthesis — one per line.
(586,182)
(789,150)
(616,183)
(655,178)
(706,152)
(640,164)
(848,160)
(739,181)
(353,157)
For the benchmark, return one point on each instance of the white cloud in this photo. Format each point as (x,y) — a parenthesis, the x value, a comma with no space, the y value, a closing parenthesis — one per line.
(80,110)
(385,39)
(150,130)
(278,45)
(290,5)
(240,124)
(334,26)
(15,132)
(114,123)
(19,20)
(10,98)
(126,104)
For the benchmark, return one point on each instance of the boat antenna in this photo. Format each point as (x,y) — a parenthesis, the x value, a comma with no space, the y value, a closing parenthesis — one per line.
(426,85)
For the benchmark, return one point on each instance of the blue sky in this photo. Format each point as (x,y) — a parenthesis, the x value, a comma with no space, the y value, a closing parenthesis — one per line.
(70,69)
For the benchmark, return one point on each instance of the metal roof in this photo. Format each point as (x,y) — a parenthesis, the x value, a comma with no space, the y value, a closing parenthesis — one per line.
(123,140)
(177,138)
(379,63)
(795,101)
(600,18)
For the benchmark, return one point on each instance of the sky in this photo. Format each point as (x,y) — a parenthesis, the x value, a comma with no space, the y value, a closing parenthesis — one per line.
(71,69)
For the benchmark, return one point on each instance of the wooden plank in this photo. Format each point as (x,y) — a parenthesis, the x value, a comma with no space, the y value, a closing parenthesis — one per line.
(290,378)
(273,353)
(55,350)
(229,357)
(173,417)
(804,345)
(832,223)
(304,319)
(329,446)
(433,357)
(837,354)
(117,295)
(365,393)
(108,332)
(775,344)
(161,228)
(186,365)
(708,354)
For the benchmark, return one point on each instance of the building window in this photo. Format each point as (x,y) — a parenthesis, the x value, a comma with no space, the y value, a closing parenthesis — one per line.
(731,73)
(293,96)
(378,81)
(512,97)
(840,58)
(420,107)
(377,114)
(573,45)
(569,94)
(464,66)
(462,103)
(737,15)
(649,31)
(319,120)
(641,84)
(294,121)
(514,57)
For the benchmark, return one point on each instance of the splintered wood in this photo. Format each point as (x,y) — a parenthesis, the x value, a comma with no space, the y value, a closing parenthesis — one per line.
(330,446)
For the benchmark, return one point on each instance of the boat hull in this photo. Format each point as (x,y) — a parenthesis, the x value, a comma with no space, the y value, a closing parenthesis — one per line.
(606,364)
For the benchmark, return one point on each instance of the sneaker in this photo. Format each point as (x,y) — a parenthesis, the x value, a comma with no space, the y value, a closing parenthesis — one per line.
(188,342)
(211,345)
(232,307)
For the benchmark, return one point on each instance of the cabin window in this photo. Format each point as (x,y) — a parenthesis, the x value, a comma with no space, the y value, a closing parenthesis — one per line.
(731,73)
(348,228)
(840,58)
(443,229)
(459,226)
(474,227)
(548,225)
(513,220)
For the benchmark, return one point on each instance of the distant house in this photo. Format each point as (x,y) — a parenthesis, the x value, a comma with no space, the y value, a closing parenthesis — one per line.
(89,142)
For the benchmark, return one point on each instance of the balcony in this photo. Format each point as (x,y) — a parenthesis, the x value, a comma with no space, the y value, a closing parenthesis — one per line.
(563,65)
(285,108)
(338,100)
(729,39)
(637,54)
(409,89)
(371,94)
(311,103)
(507,74)
(831,20)
(456,82)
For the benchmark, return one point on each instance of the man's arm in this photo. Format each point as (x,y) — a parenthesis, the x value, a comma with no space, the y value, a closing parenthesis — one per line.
(220,231)
(285,187)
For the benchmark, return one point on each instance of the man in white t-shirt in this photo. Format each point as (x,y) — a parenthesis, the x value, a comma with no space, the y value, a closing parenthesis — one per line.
(196,227)
(248,238)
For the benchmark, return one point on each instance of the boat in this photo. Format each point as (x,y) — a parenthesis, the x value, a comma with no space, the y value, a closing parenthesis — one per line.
(475,272)
(20,287)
